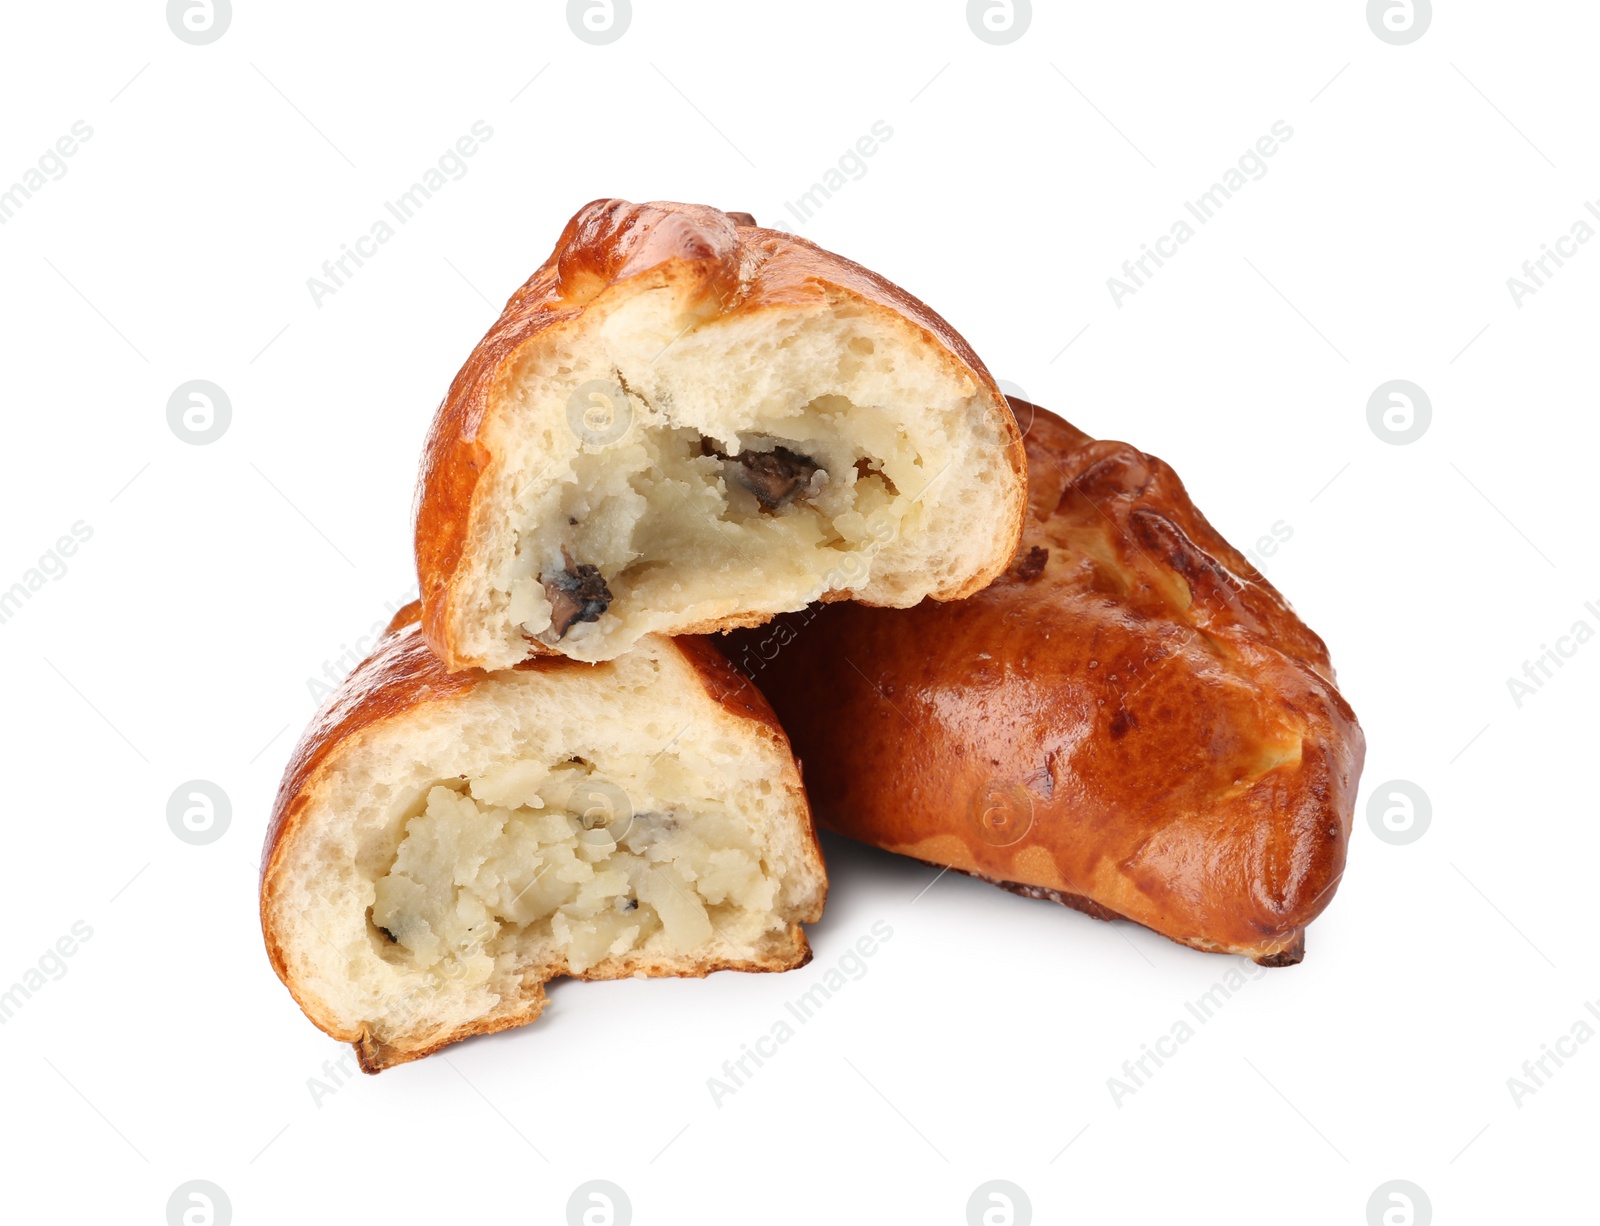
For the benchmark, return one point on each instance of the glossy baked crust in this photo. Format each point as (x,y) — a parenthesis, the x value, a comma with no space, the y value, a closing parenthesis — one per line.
(1131,721)
(401,675)
(733,266)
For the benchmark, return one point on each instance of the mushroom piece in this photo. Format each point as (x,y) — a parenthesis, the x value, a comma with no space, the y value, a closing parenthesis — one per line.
(576,594)
(775,477)
(1030,566)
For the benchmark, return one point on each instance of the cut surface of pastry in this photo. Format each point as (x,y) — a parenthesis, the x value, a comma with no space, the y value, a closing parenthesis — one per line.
(445,844)
(684,423)
(1131,721)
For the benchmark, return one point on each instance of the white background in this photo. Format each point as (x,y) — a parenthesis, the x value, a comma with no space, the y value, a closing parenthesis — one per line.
(219,579)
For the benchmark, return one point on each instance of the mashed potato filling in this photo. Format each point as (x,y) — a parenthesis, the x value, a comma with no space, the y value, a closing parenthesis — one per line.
(687,526)
(557,863)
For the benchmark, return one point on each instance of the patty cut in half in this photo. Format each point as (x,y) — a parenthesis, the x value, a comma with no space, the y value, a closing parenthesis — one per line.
(443,845)
(685,423)
(1132,721)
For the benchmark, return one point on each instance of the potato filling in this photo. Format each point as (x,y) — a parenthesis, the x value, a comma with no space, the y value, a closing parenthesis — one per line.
(672,521)
(558,862)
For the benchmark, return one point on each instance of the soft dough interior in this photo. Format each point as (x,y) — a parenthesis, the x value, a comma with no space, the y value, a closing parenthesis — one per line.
(639,475)
(605,820)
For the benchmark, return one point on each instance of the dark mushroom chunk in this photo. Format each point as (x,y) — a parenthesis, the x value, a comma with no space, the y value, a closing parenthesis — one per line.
(775,477)
(576,594)
(1031,566)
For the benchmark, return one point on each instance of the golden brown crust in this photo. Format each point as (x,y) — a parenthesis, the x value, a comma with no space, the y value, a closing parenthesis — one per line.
(1131,716)
(731,266)
(401,674)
